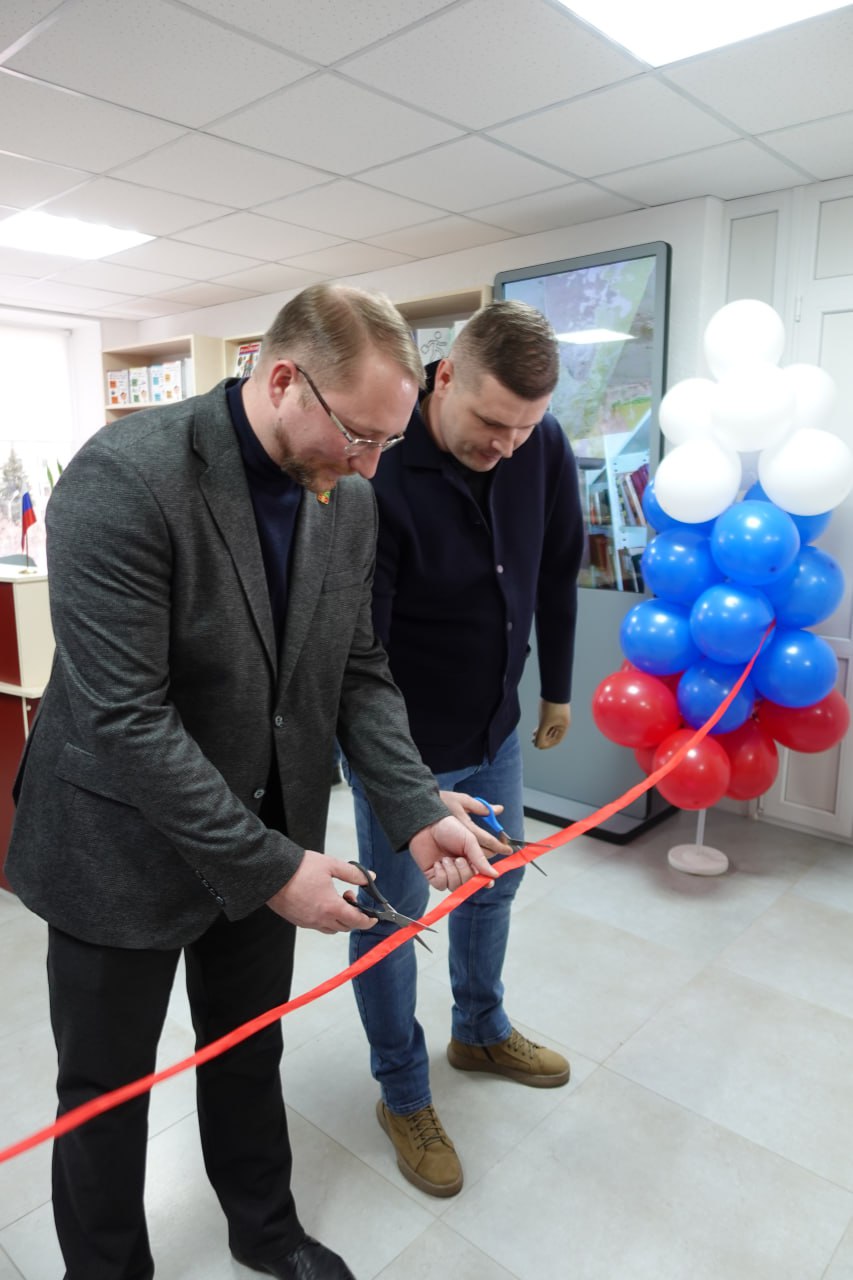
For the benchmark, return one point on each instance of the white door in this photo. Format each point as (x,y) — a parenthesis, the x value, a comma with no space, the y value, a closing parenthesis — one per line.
(816,791)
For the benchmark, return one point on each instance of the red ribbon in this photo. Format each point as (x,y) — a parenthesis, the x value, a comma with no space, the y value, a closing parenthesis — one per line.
(107,1101)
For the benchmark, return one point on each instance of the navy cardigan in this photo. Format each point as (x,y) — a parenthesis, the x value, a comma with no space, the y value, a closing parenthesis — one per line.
(454,599)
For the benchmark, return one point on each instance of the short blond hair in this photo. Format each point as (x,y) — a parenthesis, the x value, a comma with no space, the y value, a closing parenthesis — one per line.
(515,344)
(328,327)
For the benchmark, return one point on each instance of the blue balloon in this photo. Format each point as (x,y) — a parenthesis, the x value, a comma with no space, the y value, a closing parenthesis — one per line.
(809,591)
(808,527)
(653,511)
(678,565)
(795,669)
(655,636)
(754,542)
(728,621)
(701,690)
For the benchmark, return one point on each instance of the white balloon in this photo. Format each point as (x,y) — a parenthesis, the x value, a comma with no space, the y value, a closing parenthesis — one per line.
(815,394)
(697,480)
(744,332)
(808,473)
(753,408)
(685,410)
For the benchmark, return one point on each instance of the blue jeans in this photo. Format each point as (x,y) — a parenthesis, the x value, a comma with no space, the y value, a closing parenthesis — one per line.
(478,933)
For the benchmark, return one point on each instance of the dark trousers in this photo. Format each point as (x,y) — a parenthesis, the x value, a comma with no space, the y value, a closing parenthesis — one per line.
(107,1008)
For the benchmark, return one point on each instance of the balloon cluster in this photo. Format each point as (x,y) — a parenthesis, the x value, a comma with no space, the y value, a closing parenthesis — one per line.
(723,567)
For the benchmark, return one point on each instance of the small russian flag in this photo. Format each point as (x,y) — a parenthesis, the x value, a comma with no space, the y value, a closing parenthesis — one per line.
(28,517)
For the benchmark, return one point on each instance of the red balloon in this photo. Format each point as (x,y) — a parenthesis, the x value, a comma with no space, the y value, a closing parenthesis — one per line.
(634,709)
(814,728)
(703,776)
(645,758)
(671,682)
(754,760)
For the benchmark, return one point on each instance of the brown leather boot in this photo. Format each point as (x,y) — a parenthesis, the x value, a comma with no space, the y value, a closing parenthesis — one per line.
(516,1058)
(425,1154)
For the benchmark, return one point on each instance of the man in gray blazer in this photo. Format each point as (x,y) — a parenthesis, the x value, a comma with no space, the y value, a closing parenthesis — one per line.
(210,578)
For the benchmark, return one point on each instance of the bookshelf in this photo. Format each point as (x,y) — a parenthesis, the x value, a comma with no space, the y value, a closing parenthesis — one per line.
(436,320)
(442,311)
(206,355)
(611,492)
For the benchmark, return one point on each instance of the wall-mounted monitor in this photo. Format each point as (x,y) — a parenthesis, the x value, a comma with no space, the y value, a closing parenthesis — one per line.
(609,311)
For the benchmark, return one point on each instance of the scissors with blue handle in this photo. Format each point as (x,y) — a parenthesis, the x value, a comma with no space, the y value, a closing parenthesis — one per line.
(492,821)
(383,909)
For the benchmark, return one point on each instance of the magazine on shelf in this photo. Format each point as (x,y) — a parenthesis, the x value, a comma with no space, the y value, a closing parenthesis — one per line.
(247,358)
(172,380)
(118,387)
(139,393)
(155,383)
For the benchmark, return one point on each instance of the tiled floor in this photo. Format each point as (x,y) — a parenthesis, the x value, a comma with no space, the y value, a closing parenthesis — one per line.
(707,1133)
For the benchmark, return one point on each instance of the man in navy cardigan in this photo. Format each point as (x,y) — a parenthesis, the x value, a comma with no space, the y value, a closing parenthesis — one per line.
(480,534)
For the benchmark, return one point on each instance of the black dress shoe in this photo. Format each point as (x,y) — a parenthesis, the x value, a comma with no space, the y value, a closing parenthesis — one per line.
(310,1260)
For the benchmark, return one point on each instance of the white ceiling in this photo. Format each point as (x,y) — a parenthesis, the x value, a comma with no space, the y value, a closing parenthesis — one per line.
(271,144)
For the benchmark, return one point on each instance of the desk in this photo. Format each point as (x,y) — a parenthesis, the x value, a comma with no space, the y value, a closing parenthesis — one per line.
(26,654)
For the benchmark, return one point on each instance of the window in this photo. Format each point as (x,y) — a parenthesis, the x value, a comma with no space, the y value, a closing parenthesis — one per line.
(36,428)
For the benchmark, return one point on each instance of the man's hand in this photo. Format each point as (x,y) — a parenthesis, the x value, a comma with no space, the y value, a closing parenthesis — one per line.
(554,721)
(448,854)
(310,899)
(460,805)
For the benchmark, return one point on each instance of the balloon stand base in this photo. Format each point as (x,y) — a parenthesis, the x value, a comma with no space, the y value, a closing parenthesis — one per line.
(697,859)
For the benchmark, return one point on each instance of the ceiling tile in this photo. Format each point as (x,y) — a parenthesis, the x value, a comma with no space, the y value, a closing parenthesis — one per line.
(548,210)
(824,147)
(180,258)
(107,275)
(324,30)
(19,262)
(349,259)
(27,182)
(70,129)
(350,210)
(13,286)
(464,174)
(203,294)
(209,168)
(171,62)
(446,235)
(368,129)
(123,204)
(74,297)
(786,77)
(489,60)
(265,236)
(18,16)
(627,125)
(144,308)
(272,277)
(736,169)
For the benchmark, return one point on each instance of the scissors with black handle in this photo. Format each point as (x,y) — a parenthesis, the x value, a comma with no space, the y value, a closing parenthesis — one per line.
(492,821)
(383,909)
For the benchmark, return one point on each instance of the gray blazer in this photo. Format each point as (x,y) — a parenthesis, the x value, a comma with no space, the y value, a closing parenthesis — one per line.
(139,790)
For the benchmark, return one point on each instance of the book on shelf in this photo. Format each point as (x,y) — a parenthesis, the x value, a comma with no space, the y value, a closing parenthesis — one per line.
(247,358)
(139,391)
(632,506)
(118,387)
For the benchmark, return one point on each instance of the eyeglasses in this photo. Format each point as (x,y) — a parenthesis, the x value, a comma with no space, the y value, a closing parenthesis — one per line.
(355,444)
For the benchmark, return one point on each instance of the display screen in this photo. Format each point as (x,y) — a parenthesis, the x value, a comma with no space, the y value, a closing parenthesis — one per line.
(609,311)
